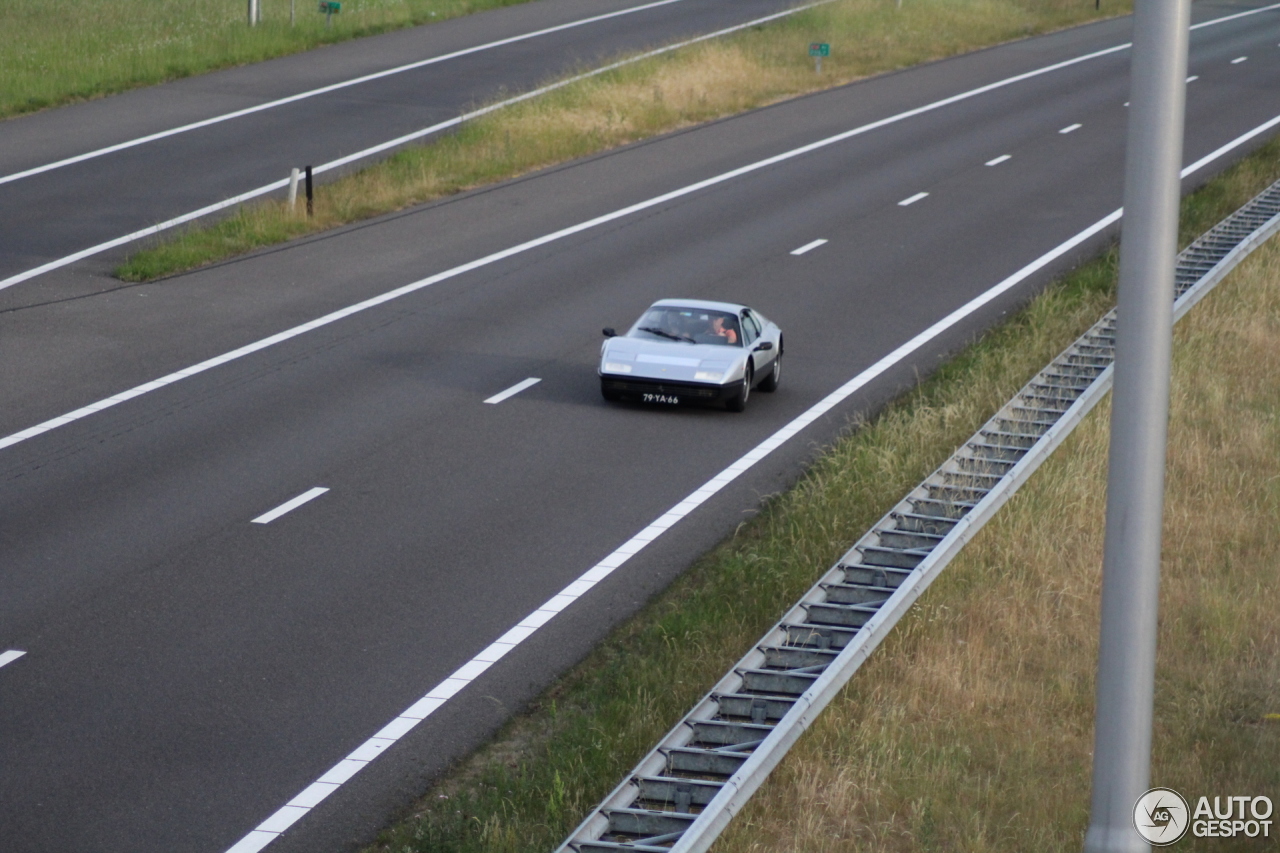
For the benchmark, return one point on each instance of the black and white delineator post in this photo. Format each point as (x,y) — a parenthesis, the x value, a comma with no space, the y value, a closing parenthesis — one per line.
(1139,425)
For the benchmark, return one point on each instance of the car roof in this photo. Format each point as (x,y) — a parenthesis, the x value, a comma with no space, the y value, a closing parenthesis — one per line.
(699,303)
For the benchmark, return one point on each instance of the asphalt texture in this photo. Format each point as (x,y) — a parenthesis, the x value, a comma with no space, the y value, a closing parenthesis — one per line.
(188,672)
(59,212)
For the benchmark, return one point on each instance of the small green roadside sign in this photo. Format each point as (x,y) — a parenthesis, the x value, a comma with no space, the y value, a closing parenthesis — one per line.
(819,49)
(330,8)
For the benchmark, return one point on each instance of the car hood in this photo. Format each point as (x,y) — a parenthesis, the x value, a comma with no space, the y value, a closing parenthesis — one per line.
(674,361)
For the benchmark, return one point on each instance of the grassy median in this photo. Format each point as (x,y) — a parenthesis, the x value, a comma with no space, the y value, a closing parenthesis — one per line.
(970,728)
(57,51)
(658,95)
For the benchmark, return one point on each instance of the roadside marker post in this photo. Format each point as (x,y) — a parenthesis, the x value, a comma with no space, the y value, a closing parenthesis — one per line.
(818,50)
(293,188)
(1139,427)
(311,197)
(329,8)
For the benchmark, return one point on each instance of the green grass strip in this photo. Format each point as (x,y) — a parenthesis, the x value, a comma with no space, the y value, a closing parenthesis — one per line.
(549,766)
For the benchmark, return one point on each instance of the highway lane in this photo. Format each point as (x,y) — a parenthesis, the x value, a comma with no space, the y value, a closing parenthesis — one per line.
(189,671)
(56,213)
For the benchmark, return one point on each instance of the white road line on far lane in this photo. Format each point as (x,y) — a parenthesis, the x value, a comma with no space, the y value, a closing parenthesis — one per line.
(809,247)
(1238,60)
(513,390)
(313,794)
(913,199)
(1071,128)
(380,147)
(1193,78)
(111,149)
(999,160)
(290,505)
(10,656)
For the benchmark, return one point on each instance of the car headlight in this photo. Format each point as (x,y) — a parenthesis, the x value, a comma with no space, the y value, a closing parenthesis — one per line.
(709,375)
(616,367)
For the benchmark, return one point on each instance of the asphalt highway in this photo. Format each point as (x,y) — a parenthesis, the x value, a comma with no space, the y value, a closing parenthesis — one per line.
(55,213)
(187,671)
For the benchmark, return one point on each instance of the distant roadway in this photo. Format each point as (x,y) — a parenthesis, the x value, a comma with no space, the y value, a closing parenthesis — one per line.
(207,636)
(59,211)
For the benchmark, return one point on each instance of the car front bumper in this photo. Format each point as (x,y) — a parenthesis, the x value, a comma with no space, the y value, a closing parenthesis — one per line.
(664,391)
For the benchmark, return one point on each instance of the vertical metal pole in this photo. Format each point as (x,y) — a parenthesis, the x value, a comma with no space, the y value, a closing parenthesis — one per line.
(253,12)
(291,2)
(293,189)
(1139,420)
(311,197)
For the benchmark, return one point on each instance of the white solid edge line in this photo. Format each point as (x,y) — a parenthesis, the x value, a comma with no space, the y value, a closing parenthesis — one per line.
(1071,127)
(18,278)
(469,671)
(10,656)
(808,247)
(913,199)
(997,161)
(290,505)
(513,390)
(311,93)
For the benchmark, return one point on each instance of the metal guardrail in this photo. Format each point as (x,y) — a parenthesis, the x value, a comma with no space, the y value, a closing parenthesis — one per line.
(683,793)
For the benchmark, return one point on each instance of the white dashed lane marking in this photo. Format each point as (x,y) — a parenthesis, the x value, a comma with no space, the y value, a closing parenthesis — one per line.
(1238,60)
(513,390)
(915,198)
(10,656)
(807,247)
(999,160)
(1193,78)
(290,506)
(1073,127)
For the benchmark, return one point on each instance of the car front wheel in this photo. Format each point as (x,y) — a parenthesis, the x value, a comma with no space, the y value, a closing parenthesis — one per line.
(770,382)
(738,402)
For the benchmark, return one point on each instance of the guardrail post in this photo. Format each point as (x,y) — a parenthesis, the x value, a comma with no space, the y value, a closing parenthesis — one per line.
(311,197)
(1139,424)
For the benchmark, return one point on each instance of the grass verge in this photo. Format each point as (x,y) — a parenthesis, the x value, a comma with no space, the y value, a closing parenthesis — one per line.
(58,51)
(703,82)
(536,780)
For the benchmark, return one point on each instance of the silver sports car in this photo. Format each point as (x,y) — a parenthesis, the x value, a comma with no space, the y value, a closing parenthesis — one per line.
(692,351)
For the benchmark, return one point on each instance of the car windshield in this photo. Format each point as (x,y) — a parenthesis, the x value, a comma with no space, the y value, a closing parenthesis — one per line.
(688,325)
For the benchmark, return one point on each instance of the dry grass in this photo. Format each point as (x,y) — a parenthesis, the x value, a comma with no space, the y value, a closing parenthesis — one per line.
(971,728)
(703,82)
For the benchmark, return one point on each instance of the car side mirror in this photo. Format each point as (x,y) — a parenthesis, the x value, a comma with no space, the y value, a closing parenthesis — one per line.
(609,332)
(764,346)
